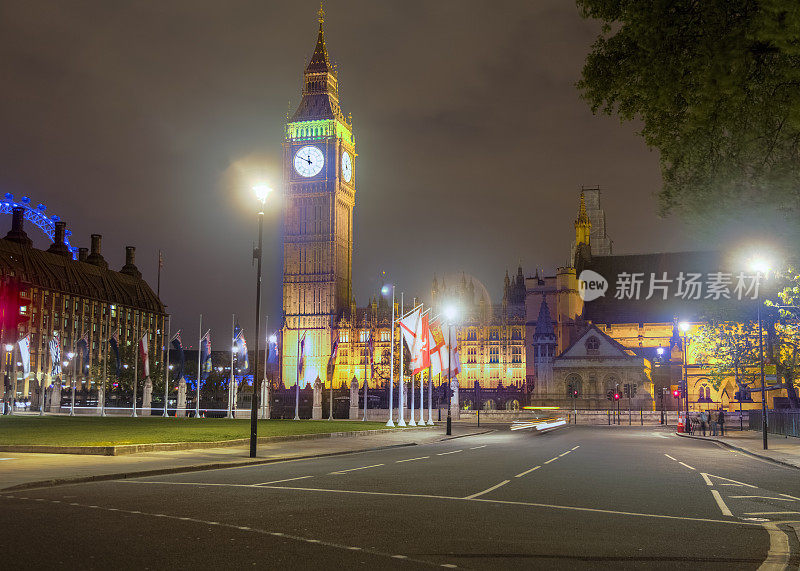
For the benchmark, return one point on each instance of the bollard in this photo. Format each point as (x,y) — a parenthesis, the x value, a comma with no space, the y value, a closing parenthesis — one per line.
(641,416)
(609,418)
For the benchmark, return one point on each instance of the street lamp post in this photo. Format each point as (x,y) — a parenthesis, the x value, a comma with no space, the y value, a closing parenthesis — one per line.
(385,291)
(761,268)
(450,313)
(262,192)
(685,328)
(9,402)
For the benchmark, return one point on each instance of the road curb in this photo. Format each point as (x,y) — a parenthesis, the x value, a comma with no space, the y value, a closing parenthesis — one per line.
(124,449)
(465,435)
(740,449)
(187,469)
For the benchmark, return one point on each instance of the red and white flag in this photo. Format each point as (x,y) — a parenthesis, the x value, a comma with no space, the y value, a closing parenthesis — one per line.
(442,356)
(143,353)
(413,328)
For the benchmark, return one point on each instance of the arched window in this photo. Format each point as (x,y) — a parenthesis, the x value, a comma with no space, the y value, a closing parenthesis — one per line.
(516,354)
(471,355)
(593,345)
(516,333)
(385,356)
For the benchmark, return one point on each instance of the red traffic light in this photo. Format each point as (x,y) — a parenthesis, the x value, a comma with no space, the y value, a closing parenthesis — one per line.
(616,396)
(676,394)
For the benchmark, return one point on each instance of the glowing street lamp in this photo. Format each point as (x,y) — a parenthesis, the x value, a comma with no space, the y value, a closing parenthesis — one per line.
(761,266)
(261,191)
(685,326)
(386,290)
(451,314)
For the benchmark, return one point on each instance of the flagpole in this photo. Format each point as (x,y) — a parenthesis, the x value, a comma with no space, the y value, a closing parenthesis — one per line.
(166,364)
(430,389)
(297,382)
(264,390)
(411,421)
(401,383)
(199,351)
(232,380)
(366,358)
(391,369)
(135,364)
(333,375)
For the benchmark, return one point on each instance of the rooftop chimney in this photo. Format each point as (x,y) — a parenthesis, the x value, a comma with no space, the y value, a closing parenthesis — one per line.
(130,263)
(17,233)
(59,246)
(83,253)
(95,257)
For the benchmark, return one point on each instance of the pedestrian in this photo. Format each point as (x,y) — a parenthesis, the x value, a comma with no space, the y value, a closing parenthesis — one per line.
(703,420)
(712,424)
(721,422)
(688,427)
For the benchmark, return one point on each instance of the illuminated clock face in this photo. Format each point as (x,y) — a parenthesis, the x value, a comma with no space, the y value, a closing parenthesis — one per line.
(347,166)
(308,161)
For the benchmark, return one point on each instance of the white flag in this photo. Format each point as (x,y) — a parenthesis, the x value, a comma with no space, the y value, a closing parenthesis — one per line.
(412,328)
(25,353)
(143,353)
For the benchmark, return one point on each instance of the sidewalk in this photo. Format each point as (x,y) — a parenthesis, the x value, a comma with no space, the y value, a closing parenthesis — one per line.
(21,469)
(782,449)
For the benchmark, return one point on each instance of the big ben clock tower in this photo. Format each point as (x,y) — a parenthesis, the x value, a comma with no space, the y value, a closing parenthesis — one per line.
(319,195)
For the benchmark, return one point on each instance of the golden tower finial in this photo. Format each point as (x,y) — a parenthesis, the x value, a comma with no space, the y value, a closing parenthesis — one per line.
(321,13)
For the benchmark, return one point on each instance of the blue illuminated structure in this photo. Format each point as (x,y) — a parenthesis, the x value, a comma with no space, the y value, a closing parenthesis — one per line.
(36,215)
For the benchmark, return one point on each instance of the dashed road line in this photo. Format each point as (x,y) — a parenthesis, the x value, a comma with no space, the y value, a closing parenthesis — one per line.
(481,446)
(770,513)
(354,469)
(575,447)
(765,497)
(527,472)
(451,452)
(670,457)
(551,460)
(411,459)
(721,503)
(565,453)
(487,490)
(255,530)
(284,480)
(792,497)
(687,465)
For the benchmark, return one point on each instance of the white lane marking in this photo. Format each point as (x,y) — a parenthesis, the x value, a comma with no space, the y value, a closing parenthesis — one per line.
(687,465)
(765,497)
(354,469)
(706,478)
(481,446)
(788,496)
(411,459)
(737,485)
(721,503)
(449,565)
(778,554)
(575,447)
(565,453)
(734,482)
(670,457)
(552,460)
(486,491)
(399,557)
(8,458)
(446,453)
(770,513)
(527,472)
(284,480)
(429,496)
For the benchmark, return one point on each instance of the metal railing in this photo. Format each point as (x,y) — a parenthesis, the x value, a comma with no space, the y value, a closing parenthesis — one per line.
(782,422)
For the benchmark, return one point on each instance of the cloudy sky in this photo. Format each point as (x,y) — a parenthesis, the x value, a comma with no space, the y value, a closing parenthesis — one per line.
(147,122)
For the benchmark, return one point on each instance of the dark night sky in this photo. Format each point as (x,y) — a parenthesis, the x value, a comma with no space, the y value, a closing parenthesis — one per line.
(147,122)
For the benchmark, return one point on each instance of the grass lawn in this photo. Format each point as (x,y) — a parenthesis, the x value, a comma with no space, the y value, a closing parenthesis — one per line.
(110,431)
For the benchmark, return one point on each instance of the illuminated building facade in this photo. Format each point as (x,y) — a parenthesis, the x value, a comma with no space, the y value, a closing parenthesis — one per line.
(73,297)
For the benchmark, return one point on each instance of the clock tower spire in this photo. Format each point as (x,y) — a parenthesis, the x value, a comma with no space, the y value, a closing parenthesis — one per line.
(319,197)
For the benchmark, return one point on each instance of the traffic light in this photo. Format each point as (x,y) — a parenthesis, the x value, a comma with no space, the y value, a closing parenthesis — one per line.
(676,393)
(617,396)
(610,395)
(627,390)
(633,390)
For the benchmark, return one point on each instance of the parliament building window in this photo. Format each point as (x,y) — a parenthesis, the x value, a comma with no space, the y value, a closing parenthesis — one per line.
(592,346)
(494,355)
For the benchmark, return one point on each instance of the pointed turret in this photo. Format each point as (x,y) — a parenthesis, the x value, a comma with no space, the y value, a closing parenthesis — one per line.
(320,85)
(544,344)
(583,226)
(544,323)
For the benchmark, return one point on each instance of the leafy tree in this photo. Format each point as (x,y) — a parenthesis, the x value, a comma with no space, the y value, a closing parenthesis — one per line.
(715,85)
(730,349)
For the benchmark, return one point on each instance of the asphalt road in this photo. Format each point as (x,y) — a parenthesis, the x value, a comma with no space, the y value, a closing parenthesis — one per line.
(576,497)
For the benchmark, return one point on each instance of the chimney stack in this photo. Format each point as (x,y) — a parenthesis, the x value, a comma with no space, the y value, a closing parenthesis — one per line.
(95,257)
(130,263)
(83,253)
(59,246)
(17,233)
